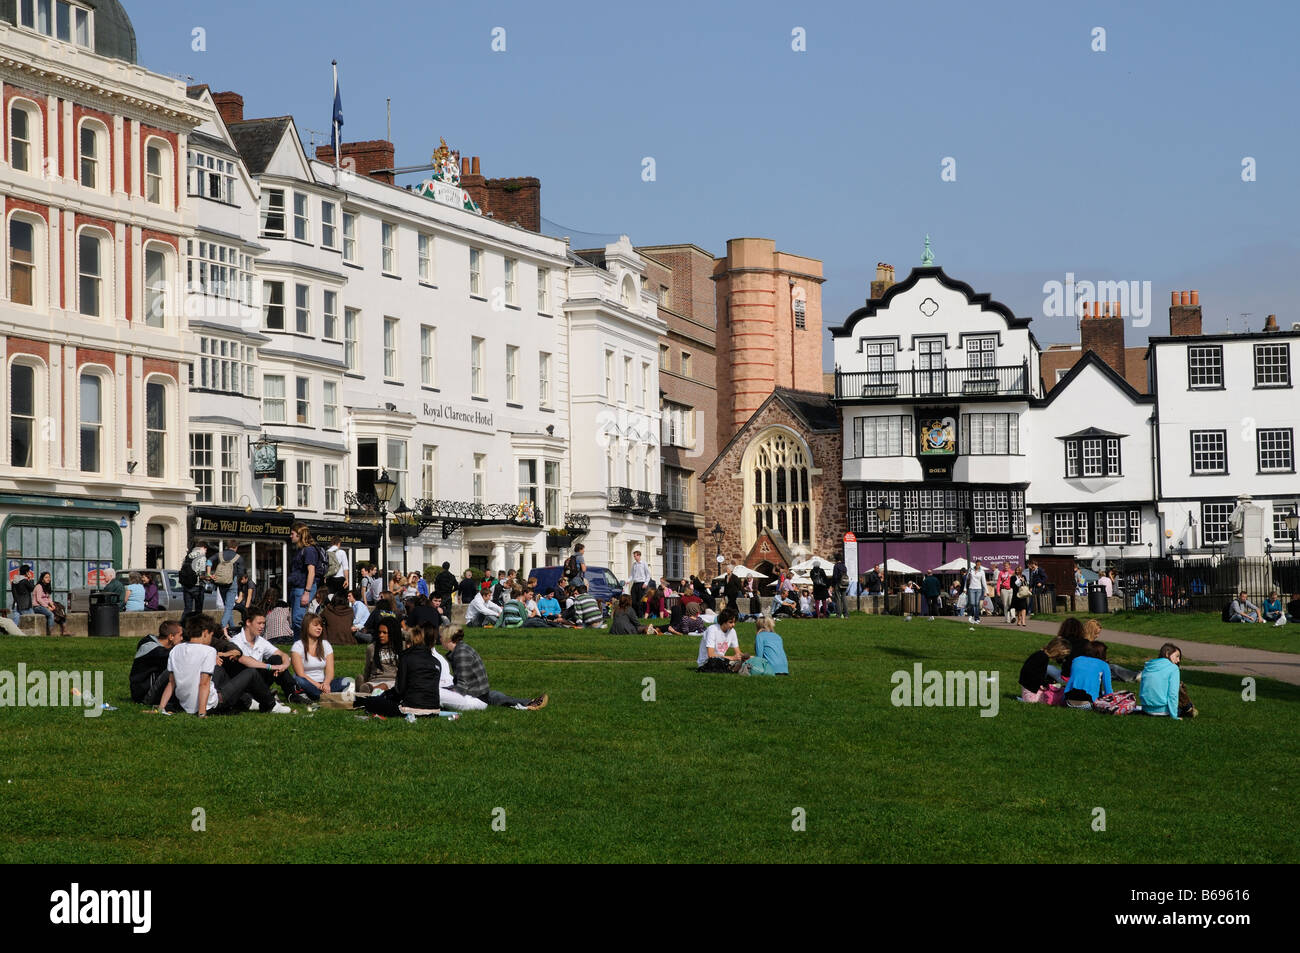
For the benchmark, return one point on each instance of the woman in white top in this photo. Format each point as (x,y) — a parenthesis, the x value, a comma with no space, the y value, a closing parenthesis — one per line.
(313,661)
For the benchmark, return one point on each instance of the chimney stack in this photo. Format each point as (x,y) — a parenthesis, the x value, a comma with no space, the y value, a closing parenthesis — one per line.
(1185,313)
(368,158)
(230,105)
(884,279)
(1270,324)
(1102,331)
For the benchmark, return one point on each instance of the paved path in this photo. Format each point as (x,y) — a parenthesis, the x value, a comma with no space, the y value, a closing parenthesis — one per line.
(1229,659)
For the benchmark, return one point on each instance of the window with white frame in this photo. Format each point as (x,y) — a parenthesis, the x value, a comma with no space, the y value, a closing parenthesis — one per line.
(429,473)
(609,375)
(982,354)
(273,398)
(475,272)
(304,483)
(209,177)
(884,436)
(226,366)
(350,237)
(201,469)
(25,236)
(92,421)
(425,248)
(663,296)
(1063,529)
(551,503)
(94,265)
(512,373)
(800,315)
(330,315)
(1272,365)
(229,468)
(990,434)
(664,359)
(1116,527)
(57,19)
(388,248)
(329,232)
(273,487)
(627,381)
(1209,451)
(220,270)
(645,385)
(512,269)
(25,150)
(330,405)
(331,482)
(273,305)
(157,172)
(22,415)
(1205,366)
(390,348)
(686,363)
(477,375)
(677,487)
(301,217)
(428,356)
(155,285)
(155,429)
(351,331)
(302,401)
(543,379)
(1071,458)
(528,482)
(675,558)
(1276,453)
(397,468)
(543,291)
(1090,456)
(480,476)
(880,356)
(273,213)
(1214,523)
(302,309)
(1280,512)
(93,149)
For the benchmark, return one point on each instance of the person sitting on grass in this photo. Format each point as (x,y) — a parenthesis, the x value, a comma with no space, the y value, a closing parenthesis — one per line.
(416,688)
(587,609)
(470,677)
(653,601)
(691,622)
(1089,676)
(1072,630)
(1293,608)
(625,621)
(148,675)
(336,617)
(720,646)
(450,698)
(360,614)
(380,671)
(201,686)
(279,620)
(257,653)
(1162,691)
(1273,609)
(313,663)
(1035,675)
(1243,610)
(806,608)
(514,612)
(482,610)
(548,607)
(769,649)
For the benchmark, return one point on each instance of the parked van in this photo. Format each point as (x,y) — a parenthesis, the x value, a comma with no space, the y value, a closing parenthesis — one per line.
(601,583)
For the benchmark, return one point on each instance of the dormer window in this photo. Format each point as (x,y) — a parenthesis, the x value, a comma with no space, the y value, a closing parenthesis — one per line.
(58,19)
(1092,453)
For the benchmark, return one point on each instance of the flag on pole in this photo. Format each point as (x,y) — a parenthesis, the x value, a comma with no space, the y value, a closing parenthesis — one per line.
(338,115)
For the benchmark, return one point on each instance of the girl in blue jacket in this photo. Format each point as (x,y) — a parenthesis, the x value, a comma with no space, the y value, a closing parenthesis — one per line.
(1162,692)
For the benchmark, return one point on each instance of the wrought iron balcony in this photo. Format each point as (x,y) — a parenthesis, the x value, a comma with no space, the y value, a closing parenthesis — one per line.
(660,503)
(961,382)
(621,498)
(645,501)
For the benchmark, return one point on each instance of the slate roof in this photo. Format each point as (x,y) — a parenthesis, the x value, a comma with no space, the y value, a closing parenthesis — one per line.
(257,140)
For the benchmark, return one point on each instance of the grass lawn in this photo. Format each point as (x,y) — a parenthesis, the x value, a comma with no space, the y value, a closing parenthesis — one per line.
(710,771)
(1195,627)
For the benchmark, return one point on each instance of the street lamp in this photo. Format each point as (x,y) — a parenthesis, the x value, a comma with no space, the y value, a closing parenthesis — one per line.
(1292,521)
(883,515)
(385,487)
(716,533)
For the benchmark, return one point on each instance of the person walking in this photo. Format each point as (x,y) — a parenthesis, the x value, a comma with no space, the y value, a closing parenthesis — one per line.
(226,574)
(976,586)
(930,589)
(1003,595)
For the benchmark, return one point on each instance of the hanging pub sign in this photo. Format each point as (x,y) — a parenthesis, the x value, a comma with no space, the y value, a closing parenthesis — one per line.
(266,458)
(936,442)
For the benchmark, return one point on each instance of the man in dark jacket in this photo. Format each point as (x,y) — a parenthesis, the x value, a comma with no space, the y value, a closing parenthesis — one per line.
(148,675)
(444,584)
(419,672)
(930,589)
(732,590)
(22,589)
(840,586)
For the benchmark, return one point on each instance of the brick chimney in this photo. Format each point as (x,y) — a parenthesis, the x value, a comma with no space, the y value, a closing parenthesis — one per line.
(516,201)
(1270,323)
(368,157)
(1184,313)
(230,105)
(1101,330)
(884,279)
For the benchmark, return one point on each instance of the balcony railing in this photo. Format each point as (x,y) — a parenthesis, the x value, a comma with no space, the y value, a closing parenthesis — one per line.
(952,382)
(637,501)
(621,498)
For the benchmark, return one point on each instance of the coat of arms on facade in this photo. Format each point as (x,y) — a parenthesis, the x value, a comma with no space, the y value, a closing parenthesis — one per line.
(444,184)
(446,165)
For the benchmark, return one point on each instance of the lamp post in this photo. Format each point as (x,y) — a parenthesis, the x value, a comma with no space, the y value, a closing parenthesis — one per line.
(1150,577)
(716,533)
(963,536)
(1292,521)
(883,515)
(385,487)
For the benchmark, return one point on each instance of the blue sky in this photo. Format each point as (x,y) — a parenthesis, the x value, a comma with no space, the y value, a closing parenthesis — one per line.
(1116,165)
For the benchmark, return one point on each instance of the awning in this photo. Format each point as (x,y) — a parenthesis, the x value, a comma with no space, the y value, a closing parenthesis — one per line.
(215,522)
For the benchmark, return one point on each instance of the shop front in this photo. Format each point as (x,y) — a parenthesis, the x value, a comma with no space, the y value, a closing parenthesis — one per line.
(262,538)
(75,540)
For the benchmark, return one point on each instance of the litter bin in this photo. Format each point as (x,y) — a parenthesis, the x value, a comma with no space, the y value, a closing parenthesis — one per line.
(105,615)
(912,603)
(1097,599)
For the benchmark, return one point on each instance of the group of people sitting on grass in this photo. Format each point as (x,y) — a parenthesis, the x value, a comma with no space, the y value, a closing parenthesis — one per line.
(720,649)
(1071,670)
(192,667)
(1273,612)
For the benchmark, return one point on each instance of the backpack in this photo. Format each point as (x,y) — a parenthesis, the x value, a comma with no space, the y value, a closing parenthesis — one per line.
(191,570)
(1227,612)
(570,567)
(1116,703)
(331,564)
(224,574)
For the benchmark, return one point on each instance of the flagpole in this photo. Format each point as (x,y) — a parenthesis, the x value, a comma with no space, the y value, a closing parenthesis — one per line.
(333,120)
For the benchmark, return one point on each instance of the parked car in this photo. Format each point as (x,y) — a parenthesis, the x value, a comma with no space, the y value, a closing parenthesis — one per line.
(601,583)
